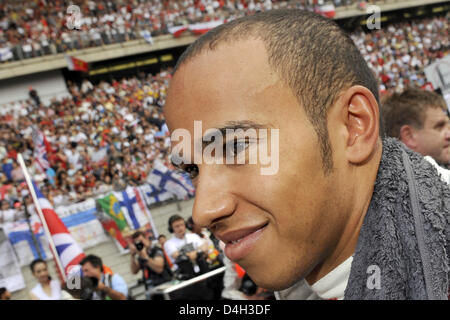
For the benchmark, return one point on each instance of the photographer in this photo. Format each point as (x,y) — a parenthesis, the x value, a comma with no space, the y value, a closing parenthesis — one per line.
(215,254)
(150,259)
(105,286)
(184,244)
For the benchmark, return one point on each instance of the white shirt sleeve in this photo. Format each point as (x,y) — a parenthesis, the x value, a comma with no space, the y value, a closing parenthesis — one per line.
(170,248)
(118,284)
(444,173)
(195,240)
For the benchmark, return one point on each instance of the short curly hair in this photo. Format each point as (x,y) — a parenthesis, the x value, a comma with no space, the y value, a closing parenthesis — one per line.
(408,108)
(311,54)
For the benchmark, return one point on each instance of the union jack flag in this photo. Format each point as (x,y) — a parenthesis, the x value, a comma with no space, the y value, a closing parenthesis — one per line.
(68,251)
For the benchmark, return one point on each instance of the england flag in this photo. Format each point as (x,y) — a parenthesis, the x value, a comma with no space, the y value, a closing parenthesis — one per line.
(68,251)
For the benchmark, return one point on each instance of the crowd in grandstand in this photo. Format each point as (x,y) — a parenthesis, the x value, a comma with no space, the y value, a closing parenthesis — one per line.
(103,137)
(40,27)
(398,53)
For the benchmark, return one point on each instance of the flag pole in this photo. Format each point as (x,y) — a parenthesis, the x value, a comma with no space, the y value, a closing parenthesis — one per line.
(33,236)
(147,212)
(41,215)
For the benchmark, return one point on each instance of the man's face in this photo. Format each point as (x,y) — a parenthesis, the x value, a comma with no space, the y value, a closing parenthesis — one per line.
(5,205)
(291,217)
(144,241)
(179,228)
(6,295)
(90,271)
(434,138)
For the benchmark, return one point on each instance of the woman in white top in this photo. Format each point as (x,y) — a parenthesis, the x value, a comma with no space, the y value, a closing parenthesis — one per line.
(46,289)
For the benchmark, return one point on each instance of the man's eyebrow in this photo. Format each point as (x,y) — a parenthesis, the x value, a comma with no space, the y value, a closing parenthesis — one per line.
(234,125)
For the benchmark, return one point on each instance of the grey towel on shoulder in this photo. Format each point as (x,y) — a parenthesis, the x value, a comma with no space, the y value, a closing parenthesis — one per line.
(411,255)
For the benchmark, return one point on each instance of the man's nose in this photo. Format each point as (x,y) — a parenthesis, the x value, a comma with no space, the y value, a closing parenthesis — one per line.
(447,132)
(213,197)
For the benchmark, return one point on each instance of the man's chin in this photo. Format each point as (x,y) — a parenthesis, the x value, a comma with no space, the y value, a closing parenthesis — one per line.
(270,282)
(444,161)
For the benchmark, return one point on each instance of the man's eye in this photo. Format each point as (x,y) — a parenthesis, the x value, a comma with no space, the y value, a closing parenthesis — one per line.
(191,170)
(233,148)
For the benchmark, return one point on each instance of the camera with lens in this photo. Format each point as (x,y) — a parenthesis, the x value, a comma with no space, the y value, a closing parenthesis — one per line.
(186,248)
(139,246)
(186,269)
(88,287)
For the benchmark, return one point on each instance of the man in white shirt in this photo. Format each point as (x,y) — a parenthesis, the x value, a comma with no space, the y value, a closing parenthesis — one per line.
(419,119)
(73,156)
(190,243)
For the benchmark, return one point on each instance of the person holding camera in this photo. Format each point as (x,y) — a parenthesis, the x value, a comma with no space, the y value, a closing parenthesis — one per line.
(150,259)
(105,286)
(184,244)
(188,253)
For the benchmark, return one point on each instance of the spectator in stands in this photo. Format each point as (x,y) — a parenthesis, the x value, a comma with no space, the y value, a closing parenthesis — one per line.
(5,294)
(149,259)
(16,173)
(162,240)
(110,287)
(343,198)
(419,118)
(46,289)
(34,95)
(7,212)
(7,167)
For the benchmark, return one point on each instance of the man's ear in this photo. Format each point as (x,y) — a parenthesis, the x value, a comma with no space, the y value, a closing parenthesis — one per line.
(407,136)
(362,119)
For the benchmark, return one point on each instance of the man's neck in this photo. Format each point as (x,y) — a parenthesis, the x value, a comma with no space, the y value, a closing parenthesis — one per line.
(360,201)
(180,236)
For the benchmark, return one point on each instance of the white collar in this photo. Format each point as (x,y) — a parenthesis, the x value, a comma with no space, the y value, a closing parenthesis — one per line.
(331,286)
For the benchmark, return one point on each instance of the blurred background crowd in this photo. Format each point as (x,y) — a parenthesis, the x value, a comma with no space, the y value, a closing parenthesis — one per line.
(103,137)
(38,27)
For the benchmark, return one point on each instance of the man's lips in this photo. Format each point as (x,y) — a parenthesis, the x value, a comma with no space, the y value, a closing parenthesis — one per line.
(235,235)
(239,243)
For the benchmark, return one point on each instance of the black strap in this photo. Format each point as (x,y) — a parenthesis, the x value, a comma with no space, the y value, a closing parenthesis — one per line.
(418,223)
(107,280)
